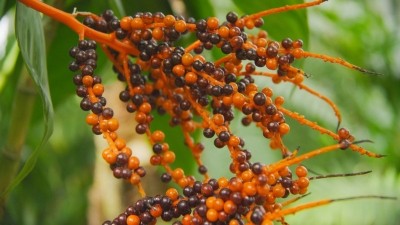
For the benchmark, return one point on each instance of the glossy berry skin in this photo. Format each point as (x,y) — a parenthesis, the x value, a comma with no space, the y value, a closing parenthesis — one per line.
(200,95)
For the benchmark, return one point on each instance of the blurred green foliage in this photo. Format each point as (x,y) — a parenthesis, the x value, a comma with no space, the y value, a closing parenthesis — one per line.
(363,32)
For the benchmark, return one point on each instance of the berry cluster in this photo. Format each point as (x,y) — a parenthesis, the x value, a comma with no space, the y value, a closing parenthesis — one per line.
(162,77)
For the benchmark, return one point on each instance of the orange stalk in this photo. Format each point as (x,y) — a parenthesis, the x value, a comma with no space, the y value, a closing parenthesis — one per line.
(82,30)
(284,9)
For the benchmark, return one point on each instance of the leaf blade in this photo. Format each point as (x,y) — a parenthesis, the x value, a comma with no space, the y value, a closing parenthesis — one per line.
(30,36)
(291,24)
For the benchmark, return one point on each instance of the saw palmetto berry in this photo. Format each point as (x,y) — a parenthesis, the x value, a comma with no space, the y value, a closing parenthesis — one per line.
(200,94)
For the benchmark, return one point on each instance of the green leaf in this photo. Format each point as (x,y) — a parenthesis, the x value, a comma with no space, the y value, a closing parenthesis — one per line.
(291,24)
(30,36)
(199,8)
(174,137)
(2,5)
(118,7)
(131,7)
(5,5)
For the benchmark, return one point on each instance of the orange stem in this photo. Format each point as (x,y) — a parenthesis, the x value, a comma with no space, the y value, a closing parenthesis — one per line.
(336,60)
(284,9)
(304,121)
(284,212)
(82,30)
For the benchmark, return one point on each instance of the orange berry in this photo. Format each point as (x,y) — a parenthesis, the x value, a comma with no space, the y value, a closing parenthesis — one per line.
(158,136)
(247,175)
(230,207)
(137,24)
(169,20)
(240,23)
(234,222)
(261,42)
(178,70)
(190,78)
(109,156)
(188,126)
(343,133)
(278,191)
(180,26)
(271,179)
(249,24)
(212,215)
(272,63)
(172,193)
(156,211)
(301,171)
(227,100)
(297,52)
(234,141)
(230,66)
(267,222)
(236,184)
(284,172)
(238,100)
(113,135)
(302,191)
(145,107)
(263,190)
(249,188)
(165,147)
(251,87)
(219,204)
(200,58)
(298,78)
(234,86)
(125,23)
(112,124)
(158,33)
(284,128)
(267,91)
(279,100)
(178,173)
(148,88)
(270,199)
(223,182)
(223,31)
(120,143)
(262,34)
(294,189)
(276,79)
(273,144)
(261,51)
(155,160)
(187,59)
(132,220)
(127,151)
(187,220)
(92,119)
(98,89)
(212,23)
(218,119)
(210,201)
(134,179)
(303,182)
(133,162)
(140,117)
(87,80)
(103,125)
(168,157)
(183,182)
